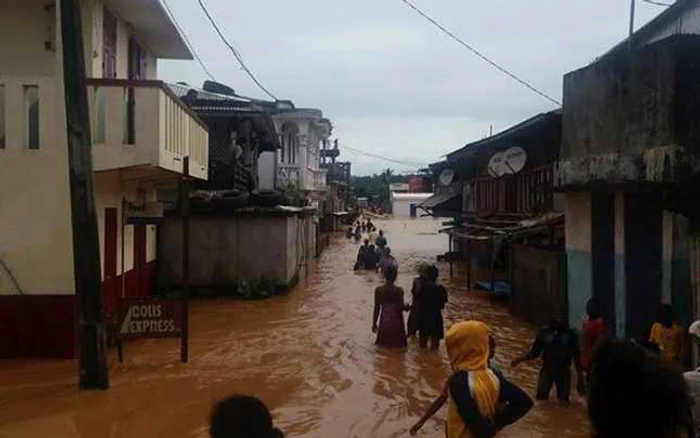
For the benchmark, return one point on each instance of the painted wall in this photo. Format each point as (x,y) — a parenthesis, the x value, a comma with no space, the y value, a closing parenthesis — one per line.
(93,16)
(35,230)
(109,192)
(401,208)
(267,170)
(578,255)
(224,249)
(27,55)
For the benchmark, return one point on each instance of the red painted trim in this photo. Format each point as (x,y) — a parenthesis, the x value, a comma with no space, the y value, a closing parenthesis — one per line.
(38,326)
(130,83)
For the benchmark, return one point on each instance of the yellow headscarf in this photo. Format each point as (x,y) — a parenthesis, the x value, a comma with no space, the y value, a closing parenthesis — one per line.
(468,350)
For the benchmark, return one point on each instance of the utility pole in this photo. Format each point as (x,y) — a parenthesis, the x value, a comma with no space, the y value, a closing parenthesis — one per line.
(632,13)
(86,246)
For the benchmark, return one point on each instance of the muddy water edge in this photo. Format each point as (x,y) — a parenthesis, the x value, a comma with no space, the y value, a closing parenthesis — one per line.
(309,355)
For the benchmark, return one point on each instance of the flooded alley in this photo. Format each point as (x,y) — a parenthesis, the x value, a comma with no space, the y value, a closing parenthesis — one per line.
(310,356)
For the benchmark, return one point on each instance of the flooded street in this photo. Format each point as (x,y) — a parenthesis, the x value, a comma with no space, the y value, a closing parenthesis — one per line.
(310,356)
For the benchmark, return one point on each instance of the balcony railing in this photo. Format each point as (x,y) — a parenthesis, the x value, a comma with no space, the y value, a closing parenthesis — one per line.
(528,192)
(142,123)
(305,179)
(287,174)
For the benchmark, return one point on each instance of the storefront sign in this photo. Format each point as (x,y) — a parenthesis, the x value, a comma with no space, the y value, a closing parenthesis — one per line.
(150,319)
(147,213)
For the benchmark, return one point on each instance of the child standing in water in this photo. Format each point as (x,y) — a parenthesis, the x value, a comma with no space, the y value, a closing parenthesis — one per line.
(412,324)
(481,400)
(431,300)
(388,308)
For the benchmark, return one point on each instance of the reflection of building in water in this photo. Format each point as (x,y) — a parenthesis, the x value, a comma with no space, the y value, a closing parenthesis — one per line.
(405,205)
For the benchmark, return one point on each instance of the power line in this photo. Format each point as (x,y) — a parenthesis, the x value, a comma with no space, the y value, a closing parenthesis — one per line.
(187,41)
(380,157)
(481,55)
(652,2)
(234,51)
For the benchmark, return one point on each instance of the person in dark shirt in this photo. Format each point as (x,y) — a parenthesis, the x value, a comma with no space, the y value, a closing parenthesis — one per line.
(432,298)
(636,393)
(360,261)
(371,258)
(481,401)
(381,240)
(558,346)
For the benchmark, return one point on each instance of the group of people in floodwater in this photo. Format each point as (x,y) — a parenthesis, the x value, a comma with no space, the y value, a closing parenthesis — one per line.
(632,388)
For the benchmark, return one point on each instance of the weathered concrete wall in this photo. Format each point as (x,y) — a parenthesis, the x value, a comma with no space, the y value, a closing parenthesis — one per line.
(224,249)
(578,255)
(539,284)
(634,118)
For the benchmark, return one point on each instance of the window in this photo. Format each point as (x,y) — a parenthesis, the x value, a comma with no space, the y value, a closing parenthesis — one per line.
(31,113)
(2,117)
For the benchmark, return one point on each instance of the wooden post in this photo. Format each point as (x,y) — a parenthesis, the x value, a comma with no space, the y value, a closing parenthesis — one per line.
(123,228)
(86,247)
(185,215)
(449,255)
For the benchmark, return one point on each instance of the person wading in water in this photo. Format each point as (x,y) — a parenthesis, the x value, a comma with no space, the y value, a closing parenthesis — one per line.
(558,346)
(481,400)
(431,300)
(412,324)
(381,241)
(388,309)
(371,259)
(361,253)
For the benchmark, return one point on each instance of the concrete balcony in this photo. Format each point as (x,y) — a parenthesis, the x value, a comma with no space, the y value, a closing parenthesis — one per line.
(316,180)
(288,174)
(310,180)
(143,129)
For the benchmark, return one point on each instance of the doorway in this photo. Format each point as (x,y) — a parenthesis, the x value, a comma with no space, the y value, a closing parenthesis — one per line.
(643,242)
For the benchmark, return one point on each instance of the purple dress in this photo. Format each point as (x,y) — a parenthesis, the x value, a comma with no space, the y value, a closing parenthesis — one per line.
(392,331)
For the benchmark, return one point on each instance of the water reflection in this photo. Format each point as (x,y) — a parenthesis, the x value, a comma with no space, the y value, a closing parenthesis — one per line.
(310,356)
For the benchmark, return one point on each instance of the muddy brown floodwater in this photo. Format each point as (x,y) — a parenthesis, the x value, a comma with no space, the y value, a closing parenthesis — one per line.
(310,356)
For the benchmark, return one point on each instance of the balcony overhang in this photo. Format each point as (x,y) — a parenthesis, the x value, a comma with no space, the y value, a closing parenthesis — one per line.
(152,27)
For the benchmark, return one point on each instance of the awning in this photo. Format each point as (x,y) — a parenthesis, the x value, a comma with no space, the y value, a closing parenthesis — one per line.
(439,199)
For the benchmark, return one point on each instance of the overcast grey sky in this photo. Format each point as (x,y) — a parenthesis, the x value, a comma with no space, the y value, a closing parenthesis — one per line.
(391,83)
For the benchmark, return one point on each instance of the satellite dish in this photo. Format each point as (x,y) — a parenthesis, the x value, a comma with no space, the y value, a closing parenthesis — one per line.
(514,159)
(496,167)
(446,177)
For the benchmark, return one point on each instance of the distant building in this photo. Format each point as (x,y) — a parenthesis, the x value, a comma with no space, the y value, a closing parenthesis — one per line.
(399,187)
(419,184)
(405,205)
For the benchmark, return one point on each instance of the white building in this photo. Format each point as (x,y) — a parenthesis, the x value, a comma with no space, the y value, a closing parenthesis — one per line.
(405,205)
(141,132)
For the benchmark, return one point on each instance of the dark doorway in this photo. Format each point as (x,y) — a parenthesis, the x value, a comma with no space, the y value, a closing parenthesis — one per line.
(140,269)
(643,240)
(603,253)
